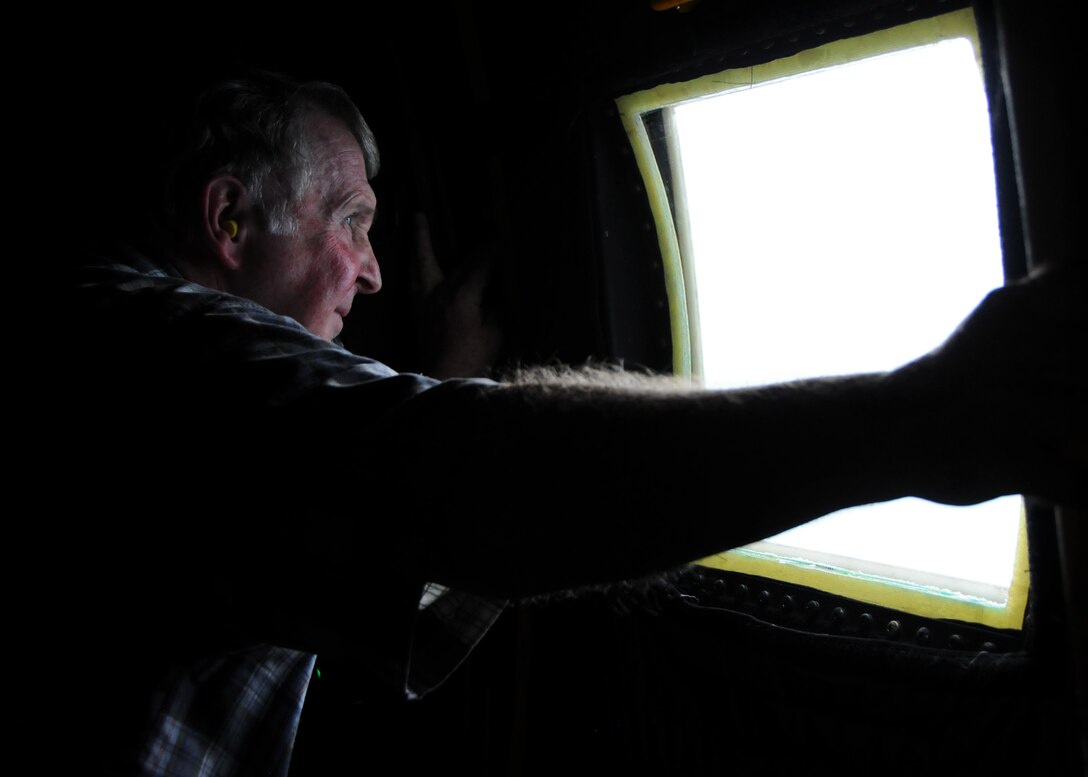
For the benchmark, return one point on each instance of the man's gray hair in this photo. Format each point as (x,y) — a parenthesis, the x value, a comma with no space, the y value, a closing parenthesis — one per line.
(254,128)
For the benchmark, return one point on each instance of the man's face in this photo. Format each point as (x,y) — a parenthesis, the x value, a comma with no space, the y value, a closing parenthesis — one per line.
(313,274)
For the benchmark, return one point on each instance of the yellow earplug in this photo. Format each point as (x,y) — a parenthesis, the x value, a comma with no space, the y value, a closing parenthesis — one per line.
(232,228)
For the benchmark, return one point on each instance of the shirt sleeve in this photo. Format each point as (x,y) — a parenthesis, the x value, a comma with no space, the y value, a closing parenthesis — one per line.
(449,624)
(191,362)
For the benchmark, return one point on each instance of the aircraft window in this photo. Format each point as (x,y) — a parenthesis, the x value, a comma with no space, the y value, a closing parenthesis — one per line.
(828,213)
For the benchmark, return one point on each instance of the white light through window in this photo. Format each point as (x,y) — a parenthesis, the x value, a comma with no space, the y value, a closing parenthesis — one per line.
(845,221)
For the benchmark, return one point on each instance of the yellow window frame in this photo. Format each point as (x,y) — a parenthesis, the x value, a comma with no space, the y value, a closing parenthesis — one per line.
(903,595)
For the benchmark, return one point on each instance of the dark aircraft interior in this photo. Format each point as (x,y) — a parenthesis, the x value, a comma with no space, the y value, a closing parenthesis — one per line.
(499,122)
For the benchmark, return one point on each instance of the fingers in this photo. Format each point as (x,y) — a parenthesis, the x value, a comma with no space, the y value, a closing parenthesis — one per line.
(427,267)
(468,282)
(472,284)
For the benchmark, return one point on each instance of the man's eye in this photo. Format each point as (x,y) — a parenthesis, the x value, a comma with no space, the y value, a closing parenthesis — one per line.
(349,219)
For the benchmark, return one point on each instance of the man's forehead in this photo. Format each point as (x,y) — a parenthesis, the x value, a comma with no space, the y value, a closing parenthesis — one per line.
(338,161)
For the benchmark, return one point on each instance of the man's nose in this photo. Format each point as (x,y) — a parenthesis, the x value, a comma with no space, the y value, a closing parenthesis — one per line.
(369,279)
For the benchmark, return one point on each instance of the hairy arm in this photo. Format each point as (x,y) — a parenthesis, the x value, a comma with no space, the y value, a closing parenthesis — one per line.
(546,484)
(540,484)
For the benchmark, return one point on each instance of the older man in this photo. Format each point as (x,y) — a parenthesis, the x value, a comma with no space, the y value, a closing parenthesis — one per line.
(261,535)
(278,497)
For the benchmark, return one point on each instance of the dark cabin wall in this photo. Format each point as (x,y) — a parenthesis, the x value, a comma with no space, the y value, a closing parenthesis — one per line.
(493,176)
(616,682)
(491,131)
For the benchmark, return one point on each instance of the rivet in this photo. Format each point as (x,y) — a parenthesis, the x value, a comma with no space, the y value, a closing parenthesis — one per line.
(865,622)
(955,641)
(742,592)
(989,647)
(922,636)
(786,603)
(812,608)
(764,596)
(838,615)
(893,628)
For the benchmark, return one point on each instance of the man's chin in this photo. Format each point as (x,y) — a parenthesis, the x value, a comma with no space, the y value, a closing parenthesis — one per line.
(328,329)
(334,329)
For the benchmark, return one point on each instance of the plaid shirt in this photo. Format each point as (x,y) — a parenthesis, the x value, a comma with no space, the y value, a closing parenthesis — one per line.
(236,714)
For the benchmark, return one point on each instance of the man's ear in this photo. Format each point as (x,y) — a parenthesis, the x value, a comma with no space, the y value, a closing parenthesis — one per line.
(225,219)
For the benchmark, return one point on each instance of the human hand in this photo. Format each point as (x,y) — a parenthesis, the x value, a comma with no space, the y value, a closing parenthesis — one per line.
(1013,385)
(458,336)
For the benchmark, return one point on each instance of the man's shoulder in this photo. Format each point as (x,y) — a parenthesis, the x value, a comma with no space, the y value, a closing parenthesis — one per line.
(123,272)
(134,316)
(128,284)
(144,295)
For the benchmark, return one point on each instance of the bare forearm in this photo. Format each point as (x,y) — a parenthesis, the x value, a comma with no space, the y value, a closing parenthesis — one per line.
(590,484)
(583,484)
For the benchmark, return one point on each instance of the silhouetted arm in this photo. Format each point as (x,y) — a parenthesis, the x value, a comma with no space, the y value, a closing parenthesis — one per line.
(529,488)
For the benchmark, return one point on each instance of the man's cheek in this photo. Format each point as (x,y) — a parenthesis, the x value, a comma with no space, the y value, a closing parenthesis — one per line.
(347,272)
